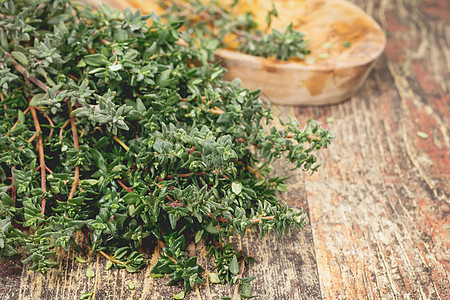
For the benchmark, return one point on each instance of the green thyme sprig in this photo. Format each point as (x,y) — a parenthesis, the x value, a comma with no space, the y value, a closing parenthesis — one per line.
(213,25)
(112,128)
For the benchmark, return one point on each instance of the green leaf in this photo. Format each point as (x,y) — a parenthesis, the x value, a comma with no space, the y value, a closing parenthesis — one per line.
(96,60)
(212,44)
(173,220)
(38,99)
(422,135)
(20,57)
(211,228)
(90,273)
(180,295)
(2,175)
(20,116)
(131,285)
(178,244)
(234,266)
(86,295)
(310,60)
(80,260)
(7,250)
(164,78)
(198,236)
(246,296)
(328,45)
(109,265)
(81,63)
(115,68)
(213,278)
(236,187)
(131,269)
(91,182)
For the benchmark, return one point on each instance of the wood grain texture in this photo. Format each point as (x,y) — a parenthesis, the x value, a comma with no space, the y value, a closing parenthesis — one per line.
(379,206)
(10,274)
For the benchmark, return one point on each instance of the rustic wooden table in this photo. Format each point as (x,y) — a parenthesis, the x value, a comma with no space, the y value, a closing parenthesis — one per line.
(378,208)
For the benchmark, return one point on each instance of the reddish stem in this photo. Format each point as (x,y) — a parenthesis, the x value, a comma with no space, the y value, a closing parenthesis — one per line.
(49,121)
(77,146)
(128,189)
(23,71)
(40,147)
(62,129)
(236,288)
(185,175)
(33,137)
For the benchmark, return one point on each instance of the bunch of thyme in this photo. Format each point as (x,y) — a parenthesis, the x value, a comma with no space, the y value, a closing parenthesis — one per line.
(111,128)
(214,23)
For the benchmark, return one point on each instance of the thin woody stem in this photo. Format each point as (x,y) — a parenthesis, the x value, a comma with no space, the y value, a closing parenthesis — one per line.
(255,172)
(236,288)
(112,259)
(40,147)
(257,220)
(121,143)
(23,71)
(77,146)
(167,196)
(29,77)
(216,111)
(73,77)
(203,98)
(128,189)
(49,121)
(2,16)
(61,131)
(33,137)
(186,175)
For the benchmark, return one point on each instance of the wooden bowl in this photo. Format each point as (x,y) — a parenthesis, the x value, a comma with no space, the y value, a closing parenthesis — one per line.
(331,74)
(336,72)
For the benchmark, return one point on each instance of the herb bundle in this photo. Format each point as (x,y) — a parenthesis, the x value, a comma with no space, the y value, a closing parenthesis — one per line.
(214,22)
(111,128)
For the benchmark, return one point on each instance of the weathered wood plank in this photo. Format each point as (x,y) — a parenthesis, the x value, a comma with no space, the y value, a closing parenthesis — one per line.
(10,273)
(380,206)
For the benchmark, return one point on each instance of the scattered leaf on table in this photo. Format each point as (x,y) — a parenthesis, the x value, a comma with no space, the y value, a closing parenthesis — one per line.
(80,260)
(180,295)
(86,295)
(422,134)
(90,273)
(213,278)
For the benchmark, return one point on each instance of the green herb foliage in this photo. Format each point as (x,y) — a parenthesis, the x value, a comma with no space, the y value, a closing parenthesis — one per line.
(213,24)
(110,127)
